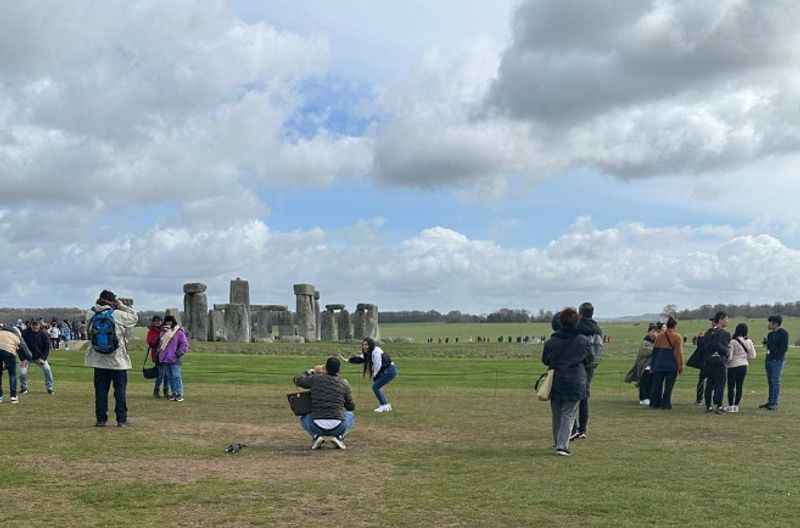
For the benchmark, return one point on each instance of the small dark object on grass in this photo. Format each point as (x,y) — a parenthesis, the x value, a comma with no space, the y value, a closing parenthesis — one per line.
(235,448)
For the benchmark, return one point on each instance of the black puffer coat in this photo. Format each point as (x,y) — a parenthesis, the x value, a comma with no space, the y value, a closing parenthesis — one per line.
(568,353)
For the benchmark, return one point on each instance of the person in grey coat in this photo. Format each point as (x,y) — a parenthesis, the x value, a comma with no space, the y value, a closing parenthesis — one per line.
(569,354)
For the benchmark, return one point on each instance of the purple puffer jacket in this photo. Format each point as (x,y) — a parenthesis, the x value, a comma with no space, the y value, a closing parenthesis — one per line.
(175,349)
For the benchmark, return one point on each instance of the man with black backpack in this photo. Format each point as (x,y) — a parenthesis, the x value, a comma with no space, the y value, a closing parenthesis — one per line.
(108,354)
(716,350)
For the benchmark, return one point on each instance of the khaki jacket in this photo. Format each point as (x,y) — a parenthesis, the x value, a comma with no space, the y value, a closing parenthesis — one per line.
(124,317)
(12,342)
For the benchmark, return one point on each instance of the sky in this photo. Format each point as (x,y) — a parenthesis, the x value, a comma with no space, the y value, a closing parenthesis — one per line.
(449,155)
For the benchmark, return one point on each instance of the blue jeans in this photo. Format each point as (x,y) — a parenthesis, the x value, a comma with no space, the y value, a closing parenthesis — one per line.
(162,379)
(174,378)
(9,363)
(774,370)
(312,429)
(388,375)
(48,375)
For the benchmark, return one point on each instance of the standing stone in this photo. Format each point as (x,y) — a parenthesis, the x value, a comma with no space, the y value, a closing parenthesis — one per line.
(345,325)
(240,292)
(317,316)
(329,325)
(284,320)
(365,322)
(306,315)
(216,325)
(195,310)
(260,324)
(237,323)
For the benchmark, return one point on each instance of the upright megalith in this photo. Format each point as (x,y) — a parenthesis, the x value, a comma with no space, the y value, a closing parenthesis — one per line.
(306,318)
(195,310)
(216,325)
(329,328)
(237,323)
(240,292)
(283,320)
(317,316)
(345,325)
(365,321)
(260,324)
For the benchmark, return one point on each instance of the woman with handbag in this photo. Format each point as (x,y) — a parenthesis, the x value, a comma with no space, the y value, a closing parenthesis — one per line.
(153,337)
(172,346)
(742,351)
(568,353)
(666,364)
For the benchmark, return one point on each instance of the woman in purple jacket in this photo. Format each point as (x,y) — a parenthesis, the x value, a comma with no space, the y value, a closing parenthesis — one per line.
(172,345)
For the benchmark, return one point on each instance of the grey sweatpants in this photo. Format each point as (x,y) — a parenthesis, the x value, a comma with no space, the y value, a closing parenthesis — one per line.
(563,418)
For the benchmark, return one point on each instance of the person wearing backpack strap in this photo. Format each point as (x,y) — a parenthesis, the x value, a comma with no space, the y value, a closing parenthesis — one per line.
(742,351)
(666,364)
(588,326)
(108,355)
(716,349)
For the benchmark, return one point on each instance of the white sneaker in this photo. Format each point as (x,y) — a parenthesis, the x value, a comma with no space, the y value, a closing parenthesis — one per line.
(734,409)
(14,399)
(644,402)
(380,409)
(388,407)
(338,442)
(318,442)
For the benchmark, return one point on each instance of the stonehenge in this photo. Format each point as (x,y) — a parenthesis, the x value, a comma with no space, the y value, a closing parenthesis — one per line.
(195,311)
(240,321)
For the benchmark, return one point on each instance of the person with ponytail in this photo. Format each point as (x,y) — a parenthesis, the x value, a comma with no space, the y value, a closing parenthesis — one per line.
(380,367)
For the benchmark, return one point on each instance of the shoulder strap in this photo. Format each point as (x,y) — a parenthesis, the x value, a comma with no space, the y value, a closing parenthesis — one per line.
(666,334)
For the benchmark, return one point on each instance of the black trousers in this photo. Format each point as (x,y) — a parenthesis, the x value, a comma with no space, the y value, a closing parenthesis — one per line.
(661,392)
(715,384)
(701,386)
(645,385)
(736,377)
(582,423)
(103,379)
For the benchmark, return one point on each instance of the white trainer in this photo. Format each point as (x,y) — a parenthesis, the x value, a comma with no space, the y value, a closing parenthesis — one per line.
(380,409)
(14,399)
(338,442)
(388,407)
(644,402)
(318,442)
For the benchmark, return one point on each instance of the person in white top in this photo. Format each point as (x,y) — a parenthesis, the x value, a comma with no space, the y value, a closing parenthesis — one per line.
(55,335)
(381,368)
(742,350)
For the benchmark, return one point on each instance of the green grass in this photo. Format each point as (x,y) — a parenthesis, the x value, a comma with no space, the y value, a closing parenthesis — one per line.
(468,445)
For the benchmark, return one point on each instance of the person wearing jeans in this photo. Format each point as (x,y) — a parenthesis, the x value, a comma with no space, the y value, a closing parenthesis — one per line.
(172,346)
(666,364)
(12,347)
(568,353)
(380,366)
(332,405)
(777,345)
(39,344)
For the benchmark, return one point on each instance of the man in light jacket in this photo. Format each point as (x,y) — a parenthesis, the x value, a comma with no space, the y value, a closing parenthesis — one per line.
(12,347)
(111,367)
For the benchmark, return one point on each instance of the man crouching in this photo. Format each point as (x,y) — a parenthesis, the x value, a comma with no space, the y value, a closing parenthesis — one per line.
(332,406)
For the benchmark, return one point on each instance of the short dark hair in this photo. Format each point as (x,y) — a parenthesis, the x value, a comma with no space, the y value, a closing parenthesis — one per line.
(568,317)
(170,320)
(107,295)
(672,322)
(719,316)
(156,318)
(741,330)
(586,310)
(777,319)
(332,366)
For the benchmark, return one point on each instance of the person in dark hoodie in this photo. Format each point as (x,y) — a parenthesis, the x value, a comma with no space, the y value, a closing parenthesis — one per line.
(777,346)
(587,326)
(716,351)
(568,353)
(39,344)
(12,348)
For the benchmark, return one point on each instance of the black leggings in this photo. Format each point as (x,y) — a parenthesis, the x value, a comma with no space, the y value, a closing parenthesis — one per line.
(735,382)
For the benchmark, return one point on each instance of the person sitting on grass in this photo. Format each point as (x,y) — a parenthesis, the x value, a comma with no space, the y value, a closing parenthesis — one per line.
(568,353)
(381,368)
(172,346)
(332,407)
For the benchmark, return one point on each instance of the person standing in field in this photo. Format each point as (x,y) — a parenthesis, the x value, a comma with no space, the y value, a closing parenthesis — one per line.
(588,326)
(666,364)
(777,346)
(568,353)
(12,348)
(107,354)
(381,368)
(701,376)
(55,334)
(153,336)
(716,348)
(641,373)
(172,346)
(742,352)
(39,345)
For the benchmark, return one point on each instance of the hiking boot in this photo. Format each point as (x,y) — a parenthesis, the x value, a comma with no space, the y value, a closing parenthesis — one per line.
(318,441)
(337,441)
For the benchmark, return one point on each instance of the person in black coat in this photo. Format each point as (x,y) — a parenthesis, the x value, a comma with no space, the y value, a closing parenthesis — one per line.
(39,344)
(568,353)
(716,350)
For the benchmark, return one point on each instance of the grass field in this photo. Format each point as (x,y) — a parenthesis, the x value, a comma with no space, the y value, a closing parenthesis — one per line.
(467,445)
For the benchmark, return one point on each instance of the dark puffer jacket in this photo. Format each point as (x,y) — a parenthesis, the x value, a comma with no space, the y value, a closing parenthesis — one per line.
(568,353)
(330,395)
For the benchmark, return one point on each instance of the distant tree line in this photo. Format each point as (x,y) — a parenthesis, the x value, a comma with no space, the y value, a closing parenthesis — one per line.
(747,311)
(503,315)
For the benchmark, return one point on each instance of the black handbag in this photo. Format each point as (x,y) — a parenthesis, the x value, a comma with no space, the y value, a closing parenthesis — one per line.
(149,372)
(300,402)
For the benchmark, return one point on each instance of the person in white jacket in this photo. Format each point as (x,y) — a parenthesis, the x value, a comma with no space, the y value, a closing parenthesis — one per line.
(742,350)
(380,367)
